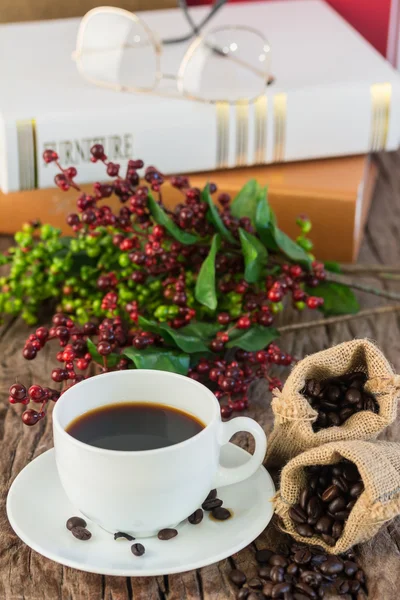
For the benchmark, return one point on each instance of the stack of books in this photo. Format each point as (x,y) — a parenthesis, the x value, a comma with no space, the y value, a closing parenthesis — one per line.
(333,102)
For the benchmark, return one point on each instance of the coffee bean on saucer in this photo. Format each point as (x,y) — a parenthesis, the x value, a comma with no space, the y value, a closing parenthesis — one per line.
(138,549)
(211,504)
(125,536)
(211,495)
(220,513)
(75,522)
(167,534)
(81,533)
(263,556)
(237,577)
(196,517)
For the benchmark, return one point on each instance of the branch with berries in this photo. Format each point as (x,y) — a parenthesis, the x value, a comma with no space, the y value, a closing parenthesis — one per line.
(194,290)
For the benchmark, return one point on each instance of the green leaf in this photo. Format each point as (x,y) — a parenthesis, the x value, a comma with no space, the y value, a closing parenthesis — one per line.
(290,248)
(112,359)
(255,338)
(332,266)
(215,217)
(339,299)
(265,221)
(161,359)
(161,217)
(245,202)
(190,338)
(255,256)
(205,291)
(206,331)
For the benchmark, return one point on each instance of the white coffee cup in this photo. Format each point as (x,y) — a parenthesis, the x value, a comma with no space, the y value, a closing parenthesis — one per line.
(141,492)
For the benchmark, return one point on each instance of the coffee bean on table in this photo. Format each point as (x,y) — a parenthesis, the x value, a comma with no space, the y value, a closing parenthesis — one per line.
(81,533)
(211,495)
(263,556)
(277,560)
(267,589)
(277,574)
(304,588)
(255,583)
(280,589)
(237,577)
(211,504)
(255,596)
(138,549)
(196,517)
(221,514)
(167,534)
(243,594)
(350,568)
(332,566)
(125,536)
(302,557)
(300,596)
(75,522)
(265,571)
(292,569)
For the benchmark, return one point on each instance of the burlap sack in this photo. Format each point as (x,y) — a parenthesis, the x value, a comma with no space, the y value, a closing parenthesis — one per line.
(294,415)
(379,466)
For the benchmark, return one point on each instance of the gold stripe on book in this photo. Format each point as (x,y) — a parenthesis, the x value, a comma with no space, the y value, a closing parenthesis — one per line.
(279,127)
(381,94)
(222,134)
(27,161)
(242,133)
(260,129)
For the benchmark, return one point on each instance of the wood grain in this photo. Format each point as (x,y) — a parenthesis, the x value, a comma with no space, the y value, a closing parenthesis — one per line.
(25,575)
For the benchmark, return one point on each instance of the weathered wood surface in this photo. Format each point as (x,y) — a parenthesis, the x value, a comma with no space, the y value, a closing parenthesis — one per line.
(26,575)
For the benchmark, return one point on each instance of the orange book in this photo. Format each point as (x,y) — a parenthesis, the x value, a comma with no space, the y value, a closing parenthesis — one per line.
(334,193)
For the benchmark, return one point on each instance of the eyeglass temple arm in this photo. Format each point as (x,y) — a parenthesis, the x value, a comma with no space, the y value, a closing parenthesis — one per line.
(195,28)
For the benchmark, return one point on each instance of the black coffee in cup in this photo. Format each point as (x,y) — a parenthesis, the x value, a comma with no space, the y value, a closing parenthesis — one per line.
(134,426)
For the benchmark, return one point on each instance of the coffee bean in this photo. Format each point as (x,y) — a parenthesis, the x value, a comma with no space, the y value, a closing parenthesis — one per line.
(221,514)
(138,549)
(300,596)
(350,472)
(337,504)
(313,483)
(324,524)
(297,514)
(333,393)
(353,395)
(267,589)
(312,578)
(342,515)
(211,495)
(330,493)
(341,483)
(263,556)
(350,568)
(125,536)
(313,387)
(356,489)
(81,533)
(243,594)
(337,529)
(280,589)
(277,560)
(328,539)
(329,406)
(359,576)
(277,574)
(318,559)
(196,517)
(211,504)
(237,577)
(265,571)
(355,586)
(305,589)
(255,583)
(334,419)
(346,413)
(75,522)
(351,504)
(314,508)
(332,566)
(302,557)
(167,534)
(292,569)
(304,530)
(342,586)
(255,596)
(304,498)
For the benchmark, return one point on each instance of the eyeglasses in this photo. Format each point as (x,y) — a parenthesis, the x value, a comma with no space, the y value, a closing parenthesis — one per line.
(116,49)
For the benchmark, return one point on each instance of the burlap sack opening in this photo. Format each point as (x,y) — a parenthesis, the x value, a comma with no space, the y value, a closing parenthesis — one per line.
(379,467)
(294,415)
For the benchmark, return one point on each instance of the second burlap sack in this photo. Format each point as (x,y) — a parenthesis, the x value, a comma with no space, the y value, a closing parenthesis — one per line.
(379,466)
(293,432)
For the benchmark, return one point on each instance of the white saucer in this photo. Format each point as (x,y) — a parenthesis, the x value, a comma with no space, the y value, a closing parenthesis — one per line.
(196,545)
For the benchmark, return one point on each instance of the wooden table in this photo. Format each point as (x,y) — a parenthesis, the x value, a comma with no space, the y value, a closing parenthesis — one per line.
(26,575)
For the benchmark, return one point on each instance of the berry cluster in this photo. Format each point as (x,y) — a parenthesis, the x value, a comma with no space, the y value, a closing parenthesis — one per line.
(37,394)
(142,279)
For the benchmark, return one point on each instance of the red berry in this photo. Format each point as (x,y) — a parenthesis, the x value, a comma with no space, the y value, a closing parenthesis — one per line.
(261,357)
(104,348)
(30,417)
(265,319)
(50,156)
(17,392)
(71,172)
(82,364)
(113,169)
(217,345)
(215,374)
(239,405)
(298,295)
(226,383)
(29,352)
(274,295)
(223,318)
(12,400)
(59,375)
(97,151)
(203,367)
(42,333)
(296,271)
(314,302)
(226,411)
(36,393)
(243,323)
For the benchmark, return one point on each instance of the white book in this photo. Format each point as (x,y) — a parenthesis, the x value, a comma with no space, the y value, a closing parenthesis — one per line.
(333,95)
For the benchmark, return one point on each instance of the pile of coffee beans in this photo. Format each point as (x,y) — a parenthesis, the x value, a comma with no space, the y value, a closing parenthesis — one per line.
(301,572)
(214,505)
(338,398)
(77,526)
(325,503)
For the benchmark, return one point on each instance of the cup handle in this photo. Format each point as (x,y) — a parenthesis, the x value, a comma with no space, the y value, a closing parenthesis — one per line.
(227,476)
